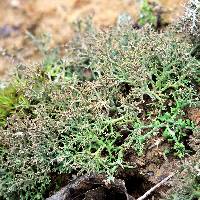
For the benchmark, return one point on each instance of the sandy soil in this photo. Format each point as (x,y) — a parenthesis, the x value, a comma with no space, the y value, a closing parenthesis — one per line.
(57,17)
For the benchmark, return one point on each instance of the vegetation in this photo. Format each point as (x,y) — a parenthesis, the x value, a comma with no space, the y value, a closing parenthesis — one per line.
(187,185)
(11,101)
(147,15)
(190,22)
(113,92)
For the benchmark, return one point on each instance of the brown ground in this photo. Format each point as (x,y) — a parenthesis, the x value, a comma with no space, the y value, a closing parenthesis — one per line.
(57,17)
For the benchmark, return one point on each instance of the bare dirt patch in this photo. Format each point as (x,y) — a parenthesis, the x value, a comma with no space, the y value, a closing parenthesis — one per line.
(57,18)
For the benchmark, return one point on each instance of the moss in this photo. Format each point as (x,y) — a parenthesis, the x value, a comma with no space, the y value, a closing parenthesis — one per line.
(11,101)
(147,15)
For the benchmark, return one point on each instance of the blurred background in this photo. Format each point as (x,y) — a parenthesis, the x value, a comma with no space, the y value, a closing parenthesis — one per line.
(21,18)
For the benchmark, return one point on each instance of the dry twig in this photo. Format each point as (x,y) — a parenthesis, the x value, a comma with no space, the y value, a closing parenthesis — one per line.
(155,187)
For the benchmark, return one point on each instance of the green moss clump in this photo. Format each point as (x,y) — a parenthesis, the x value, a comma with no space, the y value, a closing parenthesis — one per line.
(11,101)
(147,15)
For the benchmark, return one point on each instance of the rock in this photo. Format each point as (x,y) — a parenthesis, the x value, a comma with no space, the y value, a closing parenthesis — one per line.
(93,187)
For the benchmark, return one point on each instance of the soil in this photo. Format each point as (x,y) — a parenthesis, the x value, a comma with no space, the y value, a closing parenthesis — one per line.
(57,17)
(149,170)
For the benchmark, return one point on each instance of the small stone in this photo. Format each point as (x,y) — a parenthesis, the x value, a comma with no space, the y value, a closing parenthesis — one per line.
(15,3)
(124,19)
(8,30)
(150,173)
(5,31)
